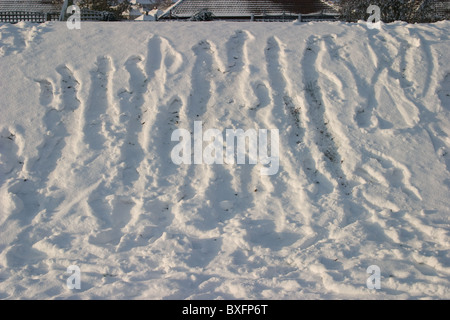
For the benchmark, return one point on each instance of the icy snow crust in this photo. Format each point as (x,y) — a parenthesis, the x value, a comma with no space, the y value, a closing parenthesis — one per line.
(86,176)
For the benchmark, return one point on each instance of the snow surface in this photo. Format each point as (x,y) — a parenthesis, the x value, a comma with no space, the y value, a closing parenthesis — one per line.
(86,176)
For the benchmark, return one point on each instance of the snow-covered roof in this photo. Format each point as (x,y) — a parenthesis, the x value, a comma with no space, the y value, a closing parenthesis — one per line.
(239,8)
(158,12)
(150,16)
(135,11)
(145,17)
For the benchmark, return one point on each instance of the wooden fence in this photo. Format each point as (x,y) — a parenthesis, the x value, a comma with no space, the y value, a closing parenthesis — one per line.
(40,17)
(16,16)
(92,15)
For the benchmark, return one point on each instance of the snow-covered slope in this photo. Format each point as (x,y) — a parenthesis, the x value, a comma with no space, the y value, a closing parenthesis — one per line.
(86,176)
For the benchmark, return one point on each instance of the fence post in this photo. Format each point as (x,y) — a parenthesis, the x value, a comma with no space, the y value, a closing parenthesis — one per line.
(63,10)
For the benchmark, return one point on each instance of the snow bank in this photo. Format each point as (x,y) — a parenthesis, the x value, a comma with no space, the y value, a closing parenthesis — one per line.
(86,176)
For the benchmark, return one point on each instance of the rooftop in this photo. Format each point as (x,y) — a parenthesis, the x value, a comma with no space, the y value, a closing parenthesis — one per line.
(31,5)
(240,8)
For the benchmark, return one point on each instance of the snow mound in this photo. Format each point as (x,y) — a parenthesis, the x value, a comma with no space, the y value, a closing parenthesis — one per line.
(86,176)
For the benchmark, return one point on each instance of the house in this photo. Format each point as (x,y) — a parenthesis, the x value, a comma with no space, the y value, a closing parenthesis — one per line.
(242,10)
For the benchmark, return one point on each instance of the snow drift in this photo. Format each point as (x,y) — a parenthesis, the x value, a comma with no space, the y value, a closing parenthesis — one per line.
(86,176)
